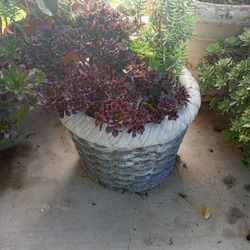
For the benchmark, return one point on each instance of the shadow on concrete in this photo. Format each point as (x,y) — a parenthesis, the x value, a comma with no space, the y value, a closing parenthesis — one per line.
(59,207)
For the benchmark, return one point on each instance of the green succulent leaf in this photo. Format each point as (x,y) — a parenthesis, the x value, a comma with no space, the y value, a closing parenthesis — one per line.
(227,65)
(162,40)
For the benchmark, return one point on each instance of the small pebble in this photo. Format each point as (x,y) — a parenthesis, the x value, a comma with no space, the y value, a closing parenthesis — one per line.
(184,165)
(170,242)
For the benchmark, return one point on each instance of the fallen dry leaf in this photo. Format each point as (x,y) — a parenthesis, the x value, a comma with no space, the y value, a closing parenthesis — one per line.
(204,211)
(229,181)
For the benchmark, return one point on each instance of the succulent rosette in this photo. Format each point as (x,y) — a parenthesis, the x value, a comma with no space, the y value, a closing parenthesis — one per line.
(90,68)
(117,114)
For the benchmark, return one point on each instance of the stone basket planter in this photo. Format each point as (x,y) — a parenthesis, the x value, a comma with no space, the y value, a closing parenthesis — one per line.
(139,163)
(216,21)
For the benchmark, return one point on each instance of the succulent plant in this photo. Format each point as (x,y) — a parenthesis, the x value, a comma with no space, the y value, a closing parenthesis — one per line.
(18,88)
(226,68)
(90,68)
(117,114)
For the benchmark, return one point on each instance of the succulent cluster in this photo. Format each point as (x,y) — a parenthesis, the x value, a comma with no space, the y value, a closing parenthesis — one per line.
(11,120)
(18,86)
(91,69)
(226,68)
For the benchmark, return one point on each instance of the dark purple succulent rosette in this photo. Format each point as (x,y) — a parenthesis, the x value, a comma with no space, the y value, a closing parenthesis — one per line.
(117,114)
(111,83)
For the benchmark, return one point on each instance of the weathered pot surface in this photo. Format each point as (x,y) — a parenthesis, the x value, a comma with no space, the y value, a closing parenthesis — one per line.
(139,163)
(216,21)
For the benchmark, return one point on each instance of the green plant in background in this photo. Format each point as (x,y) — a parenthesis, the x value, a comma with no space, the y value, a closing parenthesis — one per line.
(226,67)
(18,83)
(49,9)
(17,90)
(9,49)
(135,9)
(162,40)
(11,12)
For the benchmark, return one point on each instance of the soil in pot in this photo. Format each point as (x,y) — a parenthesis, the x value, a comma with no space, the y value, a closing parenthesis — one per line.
(233,2)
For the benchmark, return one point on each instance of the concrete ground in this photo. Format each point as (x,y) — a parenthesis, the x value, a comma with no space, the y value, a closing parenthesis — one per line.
(48,202)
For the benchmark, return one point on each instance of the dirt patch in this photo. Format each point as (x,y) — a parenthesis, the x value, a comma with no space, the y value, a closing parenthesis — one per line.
(217,129)
(58,124)
(149,242)
(229,181)
(233,215)
(247,188)
(228,233)
(68,143)
(53,156)
(181,165)
(13,166)
(248,237)
(170,242)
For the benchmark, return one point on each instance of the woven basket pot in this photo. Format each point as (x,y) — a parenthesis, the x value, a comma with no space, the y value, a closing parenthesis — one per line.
(128,163)
(216,21)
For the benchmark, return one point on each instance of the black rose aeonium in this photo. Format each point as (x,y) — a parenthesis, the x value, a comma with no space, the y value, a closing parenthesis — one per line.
(104,79)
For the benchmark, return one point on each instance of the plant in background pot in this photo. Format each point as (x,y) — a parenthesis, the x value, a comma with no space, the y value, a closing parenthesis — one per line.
(217,19)
(226,67)
(127,100)
(17,91)
(17,82)
(24,17)
(232,2)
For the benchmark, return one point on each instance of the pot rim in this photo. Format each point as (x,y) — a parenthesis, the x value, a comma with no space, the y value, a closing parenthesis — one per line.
(224,5)
(223,14)
(84,127)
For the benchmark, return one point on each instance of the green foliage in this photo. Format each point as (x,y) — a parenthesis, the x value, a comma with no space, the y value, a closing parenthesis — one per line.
(9,49)
(14,81)
(9,9)
(245,38)
(12,118)
(162,40)
(17,89)
(18,84)
(226,67)
(11,13)
(132,8)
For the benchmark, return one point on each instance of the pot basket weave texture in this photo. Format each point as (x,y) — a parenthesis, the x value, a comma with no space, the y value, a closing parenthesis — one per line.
(137,169)
(139,163)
